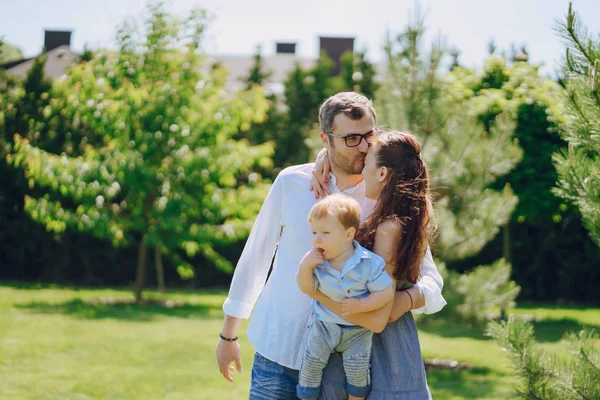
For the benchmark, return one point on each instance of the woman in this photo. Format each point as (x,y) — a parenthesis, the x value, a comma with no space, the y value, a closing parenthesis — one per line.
(398,230)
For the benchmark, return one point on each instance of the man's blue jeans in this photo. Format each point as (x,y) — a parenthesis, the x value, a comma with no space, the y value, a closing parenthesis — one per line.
(271,381)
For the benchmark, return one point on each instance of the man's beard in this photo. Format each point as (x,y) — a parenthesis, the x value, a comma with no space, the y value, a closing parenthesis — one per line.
(345,164)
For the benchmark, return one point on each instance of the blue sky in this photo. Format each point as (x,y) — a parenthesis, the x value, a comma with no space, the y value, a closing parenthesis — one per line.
(240,25)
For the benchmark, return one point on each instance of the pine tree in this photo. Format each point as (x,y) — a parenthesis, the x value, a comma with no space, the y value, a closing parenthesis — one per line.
(304,92)
(87,54)
(545,376)
(297,141)
(358,74)
(167,174)
(258,74)
(268,129)
(464,156)
(479,295)
(299,107)
(578,167)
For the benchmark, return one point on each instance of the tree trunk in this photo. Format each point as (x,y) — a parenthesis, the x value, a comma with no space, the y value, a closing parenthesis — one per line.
(160,273)
(141,269)
(506,242)
(65,264)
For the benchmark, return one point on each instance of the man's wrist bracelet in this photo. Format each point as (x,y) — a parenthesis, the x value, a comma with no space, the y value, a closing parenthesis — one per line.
(228,339)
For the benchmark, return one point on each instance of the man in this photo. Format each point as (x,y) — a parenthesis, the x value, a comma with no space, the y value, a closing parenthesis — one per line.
(282,314)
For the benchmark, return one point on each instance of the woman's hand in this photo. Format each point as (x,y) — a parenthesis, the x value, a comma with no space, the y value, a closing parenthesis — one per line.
(318,183)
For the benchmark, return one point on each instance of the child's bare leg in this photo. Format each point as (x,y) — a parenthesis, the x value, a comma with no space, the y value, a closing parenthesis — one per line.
(350,397)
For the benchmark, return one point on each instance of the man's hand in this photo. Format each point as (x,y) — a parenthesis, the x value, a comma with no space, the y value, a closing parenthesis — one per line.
(228,352)
(311,259)
(350,306)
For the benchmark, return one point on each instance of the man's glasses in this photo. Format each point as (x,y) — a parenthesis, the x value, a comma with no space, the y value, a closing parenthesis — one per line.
(355,139)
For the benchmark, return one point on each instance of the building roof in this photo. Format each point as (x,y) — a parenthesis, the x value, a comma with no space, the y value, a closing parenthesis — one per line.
(57,61)
(280,66)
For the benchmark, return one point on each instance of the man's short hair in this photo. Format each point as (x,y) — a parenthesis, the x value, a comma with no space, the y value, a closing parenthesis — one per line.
(353,105)
(344,207)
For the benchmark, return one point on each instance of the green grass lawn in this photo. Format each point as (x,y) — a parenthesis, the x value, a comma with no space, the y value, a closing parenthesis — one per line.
(69,343)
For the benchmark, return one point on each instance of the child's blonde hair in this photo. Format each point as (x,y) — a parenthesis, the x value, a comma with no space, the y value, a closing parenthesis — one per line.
(344,207)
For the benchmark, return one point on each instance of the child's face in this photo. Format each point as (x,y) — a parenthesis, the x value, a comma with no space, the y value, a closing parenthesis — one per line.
(330,236)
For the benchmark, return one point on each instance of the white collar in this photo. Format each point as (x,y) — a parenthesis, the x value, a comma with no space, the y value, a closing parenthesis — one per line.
(332,182)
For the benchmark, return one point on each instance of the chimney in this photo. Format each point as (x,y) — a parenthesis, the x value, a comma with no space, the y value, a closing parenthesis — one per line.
(54,39)
(334,47)
(285,48)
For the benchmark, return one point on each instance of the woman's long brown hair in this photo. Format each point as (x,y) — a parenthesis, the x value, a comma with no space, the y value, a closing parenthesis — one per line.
(405,198)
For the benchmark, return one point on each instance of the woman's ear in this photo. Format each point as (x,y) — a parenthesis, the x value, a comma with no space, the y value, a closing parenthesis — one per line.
(384,172)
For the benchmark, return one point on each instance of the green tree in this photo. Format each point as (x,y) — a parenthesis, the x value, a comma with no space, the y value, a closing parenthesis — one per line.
(30,108)
(544,376)
(464,155)
(484,293)
(304,91)
(87,54)
(168,175)
(291,121)
(358,74)
(541,219)
(9,53)
(298,101)
(412,80)
(578,167)
(296,139)
(258,74)
(270,129)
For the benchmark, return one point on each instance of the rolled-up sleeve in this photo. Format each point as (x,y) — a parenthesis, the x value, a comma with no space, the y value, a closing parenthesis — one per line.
(431,284)
(379,279)
(254,263)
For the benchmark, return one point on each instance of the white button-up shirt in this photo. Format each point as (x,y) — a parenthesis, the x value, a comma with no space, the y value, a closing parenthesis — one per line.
(282,313)
(363,273)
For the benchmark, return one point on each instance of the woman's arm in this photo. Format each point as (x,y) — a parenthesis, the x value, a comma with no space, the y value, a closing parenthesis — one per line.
(318,182)
(374,301)
(402,302)
(374,320)
(386,239)
(386,236)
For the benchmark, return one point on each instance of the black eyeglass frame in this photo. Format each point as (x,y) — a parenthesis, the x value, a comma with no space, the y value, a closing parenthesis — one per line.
(366,136)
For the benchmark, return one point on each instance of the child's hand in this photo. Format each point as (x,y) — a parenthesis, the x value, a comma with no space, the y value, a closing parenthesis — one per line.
(350,306)
(312,259)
